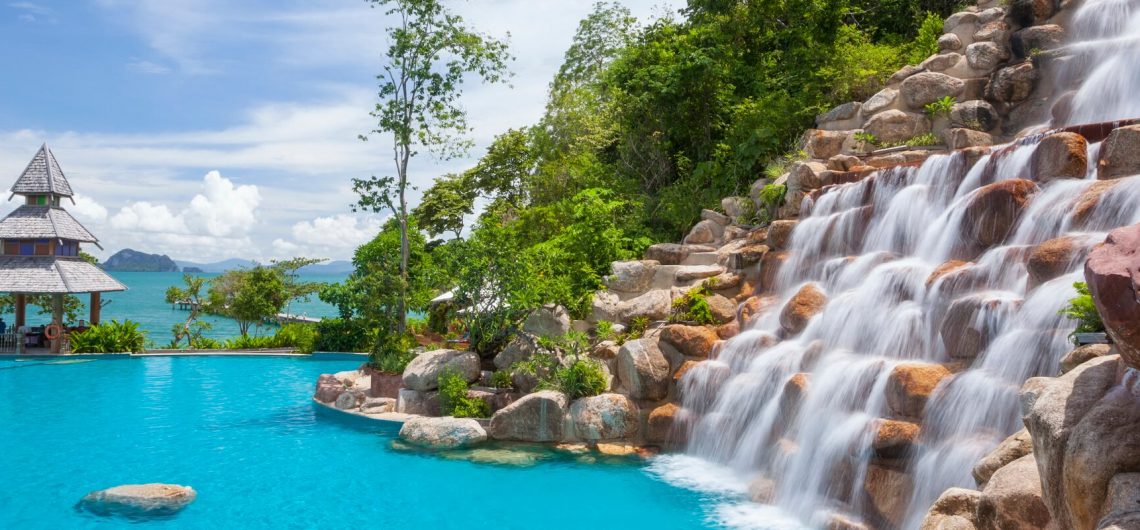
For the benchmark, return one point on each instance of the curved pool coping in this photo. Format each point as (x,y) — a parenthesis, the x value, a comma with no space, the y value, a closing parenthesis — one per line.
(394,418)
(321,356)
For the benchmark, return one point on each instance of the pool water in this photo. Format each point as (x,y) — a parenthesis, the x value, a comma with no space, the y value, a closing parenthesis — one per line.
(244,433)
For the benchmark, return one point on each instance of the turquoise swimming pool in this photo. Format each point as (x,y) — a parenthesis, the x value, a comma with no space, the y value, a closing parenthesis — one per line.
(244,433)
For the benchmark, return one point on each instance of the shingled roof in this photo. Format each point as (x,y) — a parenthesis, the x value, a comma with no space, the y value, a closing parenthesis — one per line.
(43,175)
(43,222)
(50,275)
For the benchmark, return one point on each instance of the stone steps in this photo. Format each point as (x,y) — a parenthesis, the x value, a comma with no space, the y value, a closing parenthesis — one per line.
(700,258)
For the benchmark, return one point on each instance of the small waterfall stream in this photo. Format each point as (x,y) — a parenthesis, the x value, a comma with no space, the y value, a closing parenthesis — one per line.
(793,417)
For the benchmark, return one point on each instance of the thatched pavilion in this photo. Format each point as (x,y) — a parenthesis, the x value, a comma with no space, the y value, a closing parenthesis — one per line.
(40,250)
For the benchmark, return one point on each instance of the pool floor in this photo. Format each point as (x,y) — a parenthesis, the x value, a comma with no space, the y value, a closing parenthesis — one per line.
(244,433)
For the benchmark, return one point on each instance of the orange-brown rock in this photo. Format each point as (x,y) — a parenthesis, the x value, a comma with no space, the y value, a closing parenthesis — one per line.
(993,211)
(795,390)
(685,367)
(1062,155)
(723,309)
(666,425)
(693,341)
(1120,154)
(944,269)
(806,303)
(889,491)
(770,268)
(1089,200)
(1113,275)
(1053,258)
(780,233)
(910,385)
(728,331)
(756,305)
(894,439)
(971,323)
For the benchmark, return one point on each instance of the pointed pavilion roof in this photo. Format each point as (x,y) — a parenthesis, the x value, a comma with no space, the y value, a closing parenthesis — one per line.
(52,274)
(43,222)
(43,175)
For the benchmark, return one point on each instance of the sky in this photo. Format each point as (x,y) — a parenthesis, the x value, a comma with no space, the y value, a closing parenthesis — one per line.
(215,129)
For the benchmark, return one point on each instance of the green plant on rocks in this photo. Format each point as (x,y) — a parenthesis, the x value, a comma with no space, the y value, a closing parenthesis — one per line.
(694,306)
(1082,309)
(453,399)
(577,375)
(941,107)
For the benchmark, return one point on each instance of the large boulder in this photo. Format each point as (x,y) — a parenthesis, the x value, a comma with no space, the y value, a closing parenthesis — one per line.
(971,322)
(654,305)
(1122,503)
(1087,209)
(1062,155)
(423,372)
(1039,38)
(805,176)
(443,433)
(842,118)
(888,491)
(1120,154)
(896,125)
(993,210)
(673,253)
(547,321)
(955,509)
(1012,498)
(826,144)
(536,417)
(880,101)
(1054,411)
(1112,275)
(632,276)
(1016,446)
(693,341)
(975,114)
(893,438)
(705,232)
(910,385)
(1012,84)
(949,42)
(1053,259)
(805,304)
(665,425)
(985,56)
(780,233)
(135,500)
(1083,354)
(1031,12)
(518,349)
(921,89)
(417,402)
(604,417)
(328,388)
(643,369)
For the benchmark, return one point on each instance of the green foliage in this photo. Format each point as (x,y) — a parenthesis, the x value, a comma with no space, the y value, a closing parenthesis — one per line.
(923,139)
(637,327)
(249,296)
(444,205)
(576,375)
(501,379)
(192,329)
(392,362)
(453,400)
(604,330)
(110,337)
(925,43)
(298,335)
(941,107)
(870,140)
(693,306)
(340,335)
(1082,308)
(773,194)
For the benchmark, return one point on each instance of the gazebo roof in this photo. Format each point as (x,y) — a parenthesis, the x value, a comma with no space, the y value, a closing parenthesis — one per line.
(43,175)
(51,275)
(43,222)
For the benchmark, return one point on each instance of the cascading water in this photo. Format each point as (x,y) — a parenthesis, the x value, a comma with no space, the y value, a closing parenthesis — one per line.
(793,417)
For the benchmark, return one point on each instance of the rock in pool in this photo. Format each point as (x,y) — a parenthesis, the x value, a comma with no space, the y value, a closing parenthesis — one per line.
(139,500)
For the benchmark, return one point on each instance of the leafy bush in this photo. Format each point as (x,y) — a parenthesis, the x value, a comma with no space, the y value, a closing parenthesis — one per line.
(941,107)
(453,400)
(110,337)
(605,330)
(693,306)
(340,335)
(501,379)
(923,139)
(577,375)
(772,195)
(392,352)
(866,138)
(298,335)
(637,327)
(925,43)
(1082,308)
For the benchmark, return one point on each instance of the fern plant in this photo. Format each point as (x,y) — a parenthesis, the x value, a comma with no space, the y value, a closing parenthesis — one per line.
(1082,308)
(940,107)
(110,337)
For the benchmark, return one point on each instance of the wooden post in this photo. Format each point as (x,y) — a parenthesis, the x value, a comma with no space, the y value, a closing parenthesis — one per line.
(57,319)
(96,303)
(21,312)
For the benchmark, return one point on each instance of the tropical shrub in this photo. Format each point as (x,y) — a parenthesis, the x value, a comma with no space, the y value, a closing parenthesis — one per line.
(693,306)
(1082,308)
(501,379)
(941,107)
(340,335)
(298,335)
(453,400)
(392,351)
(110,337)
(576,375)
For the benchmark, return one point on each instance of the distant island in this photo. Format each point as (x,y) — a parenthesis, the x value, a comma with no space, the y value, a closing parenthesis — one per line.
(128,260)
(192,270)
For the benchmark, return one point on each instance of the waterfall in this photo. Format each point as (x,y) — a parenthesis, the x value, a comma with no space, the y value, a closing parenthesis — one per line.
(791,419)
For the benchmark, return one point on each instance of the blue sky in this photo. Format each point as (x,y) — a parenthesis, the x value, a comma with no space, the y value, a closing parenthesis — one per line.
(210,129)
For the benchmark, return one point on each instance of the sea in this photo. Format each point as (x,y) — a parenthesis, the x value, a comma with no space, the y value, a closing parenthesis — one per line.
(144,302)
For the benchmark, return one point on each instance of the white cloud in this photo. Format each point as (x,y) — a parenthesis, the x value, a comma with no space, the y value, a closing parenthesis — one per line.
(224,209)
(148,217)
(87,209)
(147,67)
(336,235)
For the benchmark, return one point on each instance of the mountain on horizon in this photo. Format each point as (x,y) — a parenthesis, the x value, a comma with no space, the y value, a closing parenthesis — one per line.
(128,260)
(330,267)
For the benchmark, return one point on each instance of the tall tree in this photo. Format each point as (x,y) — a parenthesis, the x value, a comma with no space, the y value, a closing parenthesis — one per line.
(432,51)
(444,205)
